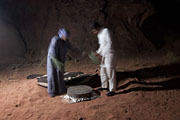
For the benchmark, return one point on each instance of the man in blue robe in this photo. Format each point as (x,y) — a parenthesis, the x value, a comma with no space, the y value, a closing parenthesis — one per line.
(57,49)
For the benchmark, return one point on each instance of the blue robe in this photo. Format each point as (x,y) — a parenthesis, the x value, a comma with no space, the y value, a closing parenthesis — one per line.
(57,49)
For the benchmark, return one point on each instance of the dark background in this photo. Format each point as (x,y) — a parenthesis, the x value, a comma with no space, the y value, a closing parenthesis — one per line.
(141,28)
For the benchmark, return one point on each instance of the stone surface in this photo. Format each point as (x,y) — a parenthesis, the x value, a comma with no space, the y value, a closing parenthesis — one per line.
(81,91)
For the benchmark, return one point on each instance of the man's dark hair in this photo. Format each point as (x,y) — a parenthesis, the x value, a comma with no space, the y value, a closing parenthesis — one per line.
(95,25)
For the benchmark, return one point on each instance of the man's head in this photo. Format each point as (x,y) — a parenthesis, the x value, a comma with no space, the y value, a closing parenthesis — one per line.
(95,28)
(63,33)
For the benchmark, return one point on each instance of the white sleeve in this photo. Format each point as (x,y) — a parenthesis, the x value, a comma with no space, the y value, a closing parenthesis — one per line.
(108,40)
(101,44)
(105,42)
(99,50)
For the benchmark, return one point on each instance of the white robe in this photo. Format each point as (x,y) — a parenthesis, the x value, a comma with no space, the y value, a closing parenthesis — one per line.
(107,72)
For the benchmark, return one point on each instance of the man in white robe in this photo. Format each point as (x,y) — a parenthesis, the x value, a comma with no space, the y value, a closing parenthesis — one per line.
(106,51)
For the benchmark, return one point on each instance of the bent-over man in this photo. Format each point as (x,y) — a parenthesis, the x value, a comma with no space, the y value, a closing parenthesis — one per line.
(57,49)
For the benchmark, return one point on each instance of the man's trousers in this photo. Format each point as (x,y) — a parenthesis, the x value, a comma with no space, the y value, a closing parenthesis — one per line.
(108,72)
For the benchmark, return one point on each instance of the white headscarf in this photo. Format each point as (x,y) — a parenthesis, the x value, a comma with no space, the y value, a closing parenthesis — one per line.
(62,32)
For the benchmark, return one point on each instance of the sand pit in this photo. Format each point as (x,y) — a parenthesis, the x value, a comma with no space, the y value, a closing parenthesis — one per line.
(154,98)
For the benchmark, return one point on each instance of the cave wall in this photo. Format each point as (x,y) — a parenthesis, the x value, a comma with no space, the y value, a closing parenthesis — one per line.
(36,21)
(44,18)
(12,48)
(9,41)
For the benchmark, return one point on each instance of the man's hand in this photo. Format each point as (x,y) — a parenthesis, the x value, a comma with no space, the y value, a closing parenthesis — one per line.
(94,57)
(97,55)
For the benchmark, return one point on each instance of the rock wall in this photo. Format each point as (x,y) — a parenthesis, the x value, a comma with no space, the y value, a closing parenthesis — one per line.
(36,21)
(44,18)
(10,44)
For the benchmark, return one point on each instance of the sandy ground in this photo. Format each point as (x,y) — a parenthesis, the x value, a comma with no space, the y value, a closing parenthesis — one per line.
(144,93)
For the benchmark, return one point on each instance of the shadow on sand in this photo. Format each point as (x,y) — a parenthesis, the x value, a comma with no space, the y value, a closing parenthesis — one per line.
(163,85)
(166,71)
(93,81)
